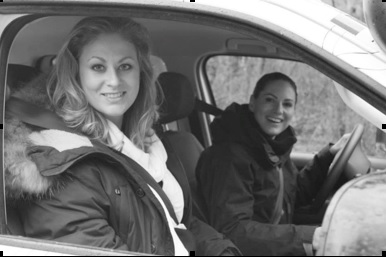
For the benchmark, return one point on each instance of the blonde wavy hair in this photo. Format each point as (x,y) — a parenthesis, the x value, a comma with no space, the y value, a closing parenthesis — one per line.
(69,100)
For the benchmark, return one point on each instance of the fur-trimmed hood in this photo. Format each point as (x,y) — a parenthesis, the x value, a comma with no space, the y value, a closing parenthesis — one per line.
(35,158)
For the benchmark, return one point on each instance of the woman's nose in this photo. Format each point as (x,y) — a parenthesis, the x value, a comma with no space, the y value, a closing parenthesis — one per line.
(279,108)
(113,78)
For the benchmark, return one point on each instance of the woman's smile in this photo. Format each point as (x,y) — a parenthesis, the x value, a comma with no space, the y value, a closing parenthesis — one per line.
(114,96)
(275,120)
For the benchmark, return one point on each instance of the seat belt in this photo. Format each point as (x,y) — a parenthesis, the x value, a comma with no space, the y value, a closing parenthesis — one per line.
(207,108)
(278,210)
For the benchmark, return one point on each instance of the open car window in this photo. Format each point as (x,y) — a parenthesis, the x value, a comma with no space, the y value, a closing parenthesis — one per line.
(321,116)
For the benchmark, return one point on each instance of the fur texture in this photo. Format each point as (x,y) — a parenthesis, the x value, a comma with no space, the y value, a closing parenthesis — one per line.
(22,178)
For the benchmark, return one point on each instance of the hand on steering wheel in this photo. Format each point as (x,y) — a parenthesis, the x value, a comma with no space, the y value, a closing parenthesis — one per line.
(340,144)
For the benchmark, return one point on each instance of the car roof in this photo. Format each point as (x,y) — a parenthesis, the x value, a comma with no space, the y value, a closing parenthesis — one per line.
(312,21)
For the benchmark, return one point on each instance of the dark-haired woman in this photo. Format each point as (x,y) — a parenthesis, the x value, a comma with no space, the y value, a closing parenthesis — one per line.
(249,184)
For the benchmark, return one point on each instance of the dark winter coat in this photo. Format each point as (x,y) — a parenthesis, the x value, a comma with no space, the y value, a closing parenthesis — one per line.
(239,182)
(71,189)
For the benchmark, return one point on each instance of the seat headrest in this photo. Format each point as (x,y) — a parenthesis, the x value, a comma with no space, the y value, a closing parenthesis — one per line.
(179,96)
(45,63)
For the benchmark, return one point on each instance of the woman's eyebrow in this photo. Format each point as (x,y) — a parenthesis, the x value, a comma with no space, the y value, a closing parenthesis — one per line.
(97,57)
(127,57)
(103,60)
(273,95)
(270,94)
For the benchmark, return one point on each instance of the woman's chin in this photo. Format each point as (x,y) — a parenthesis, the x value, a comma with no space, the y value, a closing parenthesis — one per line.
(273,132)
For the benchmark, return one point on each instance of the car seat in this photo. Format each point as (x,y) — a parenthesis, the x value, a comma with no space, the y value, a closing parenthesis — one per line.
(45,63)
(179,102)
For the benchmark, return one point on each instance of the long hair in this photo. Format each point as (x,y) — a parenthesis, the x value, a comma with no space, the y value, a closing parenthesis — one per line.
(274,76)
(69,99)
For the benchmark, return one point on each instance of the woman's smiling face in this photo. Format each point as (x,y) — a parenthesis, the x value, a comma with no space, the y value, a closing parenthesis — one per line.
(274,107)
(110,75)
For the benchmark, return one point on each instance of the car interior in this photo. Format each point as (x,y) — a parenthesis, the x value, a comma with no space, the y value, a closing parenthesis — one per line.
(182,47)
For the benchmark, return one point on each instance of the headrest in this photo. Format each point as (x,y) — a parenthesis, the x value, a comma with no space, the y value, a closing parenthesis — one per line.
(158,65)
(45,63)
(179,97)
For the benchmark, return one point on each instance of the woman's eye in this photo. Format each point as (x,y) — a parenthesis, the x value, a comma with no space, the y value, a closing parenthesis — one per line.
(98,67)
(269,100)
(288,105)
(125,67)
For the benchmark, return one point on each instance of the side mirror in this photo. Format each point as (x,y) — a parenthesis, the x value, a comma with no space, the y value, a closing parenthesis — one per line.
(374,12)
(355,220)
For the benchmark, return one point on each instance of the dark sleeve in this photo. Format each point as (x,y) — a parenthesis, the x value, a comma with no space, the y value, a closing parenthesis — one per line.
(77,213)
(210,242)
(226,180)
(311,177)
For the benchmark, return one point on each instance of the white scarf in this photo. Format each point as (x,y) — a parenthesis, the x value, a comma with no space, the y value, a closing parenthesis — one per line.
(154,162)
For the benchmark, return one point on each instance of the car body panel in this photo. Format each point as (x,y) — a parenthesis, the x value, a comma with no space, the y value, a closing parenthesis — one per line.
(22,246)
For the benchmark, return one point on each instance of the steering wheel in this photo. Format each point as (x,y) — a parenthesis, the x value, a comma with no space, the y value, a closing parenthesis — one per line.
(337,167)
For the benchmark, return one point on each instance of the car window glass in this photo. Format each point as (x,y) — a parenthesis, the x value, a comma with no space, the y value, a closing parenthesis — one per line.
(321,115)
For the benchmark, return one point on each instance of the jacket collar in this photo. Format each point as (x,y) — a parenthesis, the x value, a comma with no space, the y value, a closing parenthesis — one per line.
(50,159)
(238,125)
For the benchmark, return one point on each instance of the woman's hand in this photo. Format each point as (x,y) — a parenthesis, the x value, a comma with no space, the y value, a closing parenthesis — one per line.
(340,144)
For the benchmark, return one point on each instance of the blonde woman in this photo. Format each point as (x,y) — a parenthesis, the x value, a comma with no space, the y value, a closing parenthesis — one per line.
(104,181)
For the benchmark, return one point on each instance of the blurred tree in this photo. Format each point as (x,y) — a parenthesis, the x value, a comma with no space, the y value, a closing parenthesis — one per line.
(353,7)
